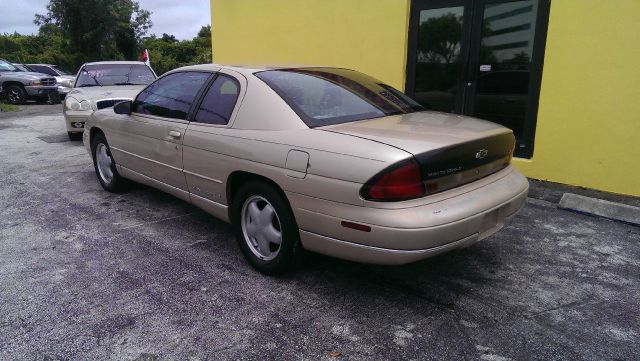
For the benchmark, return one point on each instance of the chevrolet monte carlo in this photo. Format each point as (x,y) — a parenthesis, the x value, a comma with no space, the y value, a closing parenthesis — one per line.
(320,159)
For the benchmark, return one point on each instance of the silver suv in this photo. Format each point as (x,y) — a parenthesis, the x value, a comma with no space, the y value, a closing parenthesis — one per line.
(64,79)
(19,86)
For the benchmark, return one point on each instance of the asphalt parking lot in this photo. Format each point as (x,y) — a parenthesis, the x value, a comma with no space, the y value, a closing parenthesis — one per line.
(85,274)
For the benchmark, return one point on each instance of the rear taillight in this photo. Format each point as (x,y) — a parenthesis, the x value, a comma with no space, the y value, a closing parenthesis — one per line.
(399,182)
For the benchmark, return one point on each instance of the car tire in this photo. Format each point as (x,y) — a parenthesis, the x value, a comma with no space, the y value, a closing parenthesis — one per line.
(257,228)
(74,136)
(16,94)
(105,166)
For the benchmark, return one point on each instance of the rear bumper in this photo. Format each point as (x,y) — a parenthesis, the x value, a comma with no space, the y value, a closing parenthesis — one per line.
(376,255)
(410,234)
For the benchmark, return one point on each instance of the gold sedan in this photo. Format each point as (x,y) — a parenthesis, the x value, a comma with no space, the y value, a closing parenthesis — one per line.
(319,159)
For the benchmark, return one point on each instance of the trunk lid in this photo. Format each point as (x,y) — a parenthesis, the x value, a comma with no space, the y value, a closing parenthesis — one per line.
(451,149)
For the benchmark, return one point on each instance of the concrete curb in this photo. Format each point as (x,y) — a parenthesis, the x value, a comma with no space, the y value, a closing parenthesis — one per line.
(598,207)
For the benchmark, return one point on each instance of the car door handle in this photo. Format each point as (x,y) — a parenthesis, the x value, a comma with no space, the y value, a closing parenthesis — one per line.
(175,134)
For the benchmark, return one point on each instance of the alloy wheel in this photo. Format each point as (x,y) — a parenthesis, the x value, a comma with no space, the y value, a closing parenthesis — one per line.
(14,96)
(104,162)
(261,227)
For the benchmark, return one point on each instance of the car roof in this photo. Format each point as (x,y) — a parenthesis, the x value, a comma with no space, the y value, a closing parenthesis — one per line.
(243,69)
(114,62)
(38,64)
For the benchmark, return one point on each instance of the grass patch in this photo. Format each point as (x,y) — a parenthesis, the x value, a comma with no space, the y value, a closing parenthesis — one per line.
(8,107)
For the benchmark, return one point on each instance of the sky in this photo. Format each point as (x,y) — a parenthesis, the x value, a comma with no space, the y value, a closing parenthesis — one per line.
(182,18)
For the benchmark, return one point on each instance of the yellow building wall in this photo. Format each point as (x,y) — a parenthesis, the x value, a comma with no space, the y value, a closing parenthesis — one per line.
(369,36)
(588,128)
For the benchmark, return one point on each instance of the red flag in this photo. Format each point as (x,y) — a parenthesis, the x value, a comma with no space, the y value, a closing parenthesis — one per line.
(145,56)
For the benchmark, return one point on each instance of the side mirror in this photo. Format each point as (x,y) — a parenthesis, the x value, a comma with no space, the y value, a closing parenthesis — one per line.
(123,107)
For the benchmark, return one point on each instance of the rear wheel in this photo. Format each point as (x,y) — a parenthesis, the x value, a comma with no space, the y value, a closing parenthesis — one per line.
(16,94)
(265,228)
(105,166)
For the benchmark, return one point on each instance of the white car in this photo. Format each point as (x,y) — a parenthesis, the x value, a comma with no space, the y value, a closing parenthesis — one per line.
(101,85)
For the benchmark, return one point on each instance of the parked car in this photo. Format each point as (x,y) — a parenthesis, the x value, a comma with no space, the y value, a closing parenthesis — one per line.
(64,79)
(22,67)
(101,85)
(20,86)
(321,159)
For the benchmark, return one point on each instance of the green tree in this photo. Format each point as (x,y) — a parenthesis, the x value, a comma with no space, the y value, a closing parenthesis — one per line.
(98,29)
(168,38)
(439,39)
(205,32)
(167,53)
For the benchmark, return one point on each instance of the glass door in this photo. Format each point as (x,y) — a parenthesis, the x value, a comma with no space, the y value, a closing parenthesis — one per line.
(481,58)
(441,54)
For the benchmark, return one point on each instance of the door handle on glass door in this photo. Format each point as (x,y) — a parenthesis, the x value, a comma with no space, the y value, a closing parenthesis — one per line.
(174,134)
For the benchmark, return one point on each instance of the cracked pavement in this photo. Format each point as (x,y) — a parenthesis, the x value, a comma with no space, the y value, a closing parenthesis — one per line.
(85,274)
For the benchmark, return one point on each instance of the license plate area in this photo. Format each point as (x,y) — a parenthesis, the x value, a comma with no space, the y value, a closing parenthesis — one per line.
(493,221)
(490,221)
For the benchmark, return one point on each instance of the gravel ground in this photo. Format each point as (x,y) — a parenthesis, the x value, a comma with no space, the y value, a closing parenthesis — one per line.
(85,274)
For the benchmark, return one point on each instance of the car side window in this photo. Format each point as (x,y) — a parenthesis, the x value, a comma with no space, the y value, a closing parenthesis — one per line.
(43,70)
(170,96)
(219,101)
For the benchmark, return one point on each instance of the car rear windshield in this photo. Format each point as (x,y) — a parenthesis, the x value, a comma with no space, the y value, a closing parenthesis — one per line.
(327,96)
(114,74)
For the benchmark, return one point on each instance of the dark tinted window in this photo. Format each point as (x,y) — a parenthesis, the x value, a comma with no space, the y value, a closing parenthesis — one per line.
(504,82)
(43,69)
(325,96)
(170,96)
(218,103)
(114,74)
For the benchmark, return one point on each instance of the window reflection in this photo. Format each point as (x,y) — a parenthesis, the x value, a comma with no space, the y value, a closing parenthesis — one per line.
(507,33)
(170,96)
(438,64)
(506,47)
(217,105)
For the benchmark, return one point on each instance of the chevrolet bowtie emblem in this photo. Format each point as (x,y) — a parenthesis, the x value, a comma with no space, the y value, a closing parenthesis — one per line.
(482,153)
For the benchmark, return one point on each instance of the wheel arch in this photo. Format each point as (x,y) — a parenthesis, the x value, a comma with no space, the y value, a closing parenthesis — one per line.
(93,132)
(238,178)
(11,83)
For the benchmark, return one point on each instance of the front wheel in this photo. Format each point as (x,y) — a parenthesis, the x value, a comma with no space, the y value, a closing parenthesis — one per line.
(265,228)
(105,166)
(16,94)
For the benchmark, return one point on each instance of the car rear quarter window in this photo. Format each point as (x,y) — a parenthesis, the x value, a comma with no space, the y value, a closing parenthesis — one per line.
(59,71)
(170,96)
(219,101)
(326,96)
(43,69)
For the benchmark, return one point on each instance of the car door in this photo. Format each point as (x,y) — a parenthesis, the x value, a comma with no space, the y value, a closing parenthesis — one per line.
(149,141)
(208,140)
